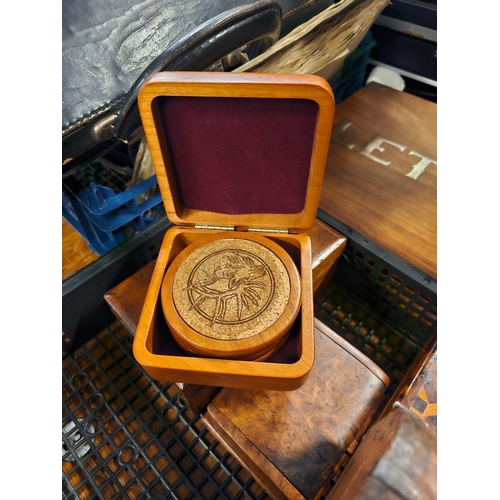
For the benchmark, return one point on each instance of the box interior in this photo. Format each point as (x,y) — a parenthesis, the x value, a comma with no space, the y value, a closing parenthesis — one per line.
(237,155)
(162,342)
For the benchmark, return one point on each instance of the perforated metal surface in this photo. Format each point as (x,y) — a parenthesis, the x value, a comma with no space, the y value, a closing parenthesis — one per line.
(378,309)
(126,436)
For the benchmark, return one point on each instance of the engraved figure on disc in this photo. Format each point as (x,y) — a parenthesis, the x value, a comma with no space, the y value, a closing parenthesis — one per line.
(231,289)
(230,286)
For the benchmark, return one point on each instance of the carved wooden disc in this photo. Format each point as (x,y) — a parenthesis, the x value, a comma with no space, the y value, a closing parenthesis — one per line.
(228,295)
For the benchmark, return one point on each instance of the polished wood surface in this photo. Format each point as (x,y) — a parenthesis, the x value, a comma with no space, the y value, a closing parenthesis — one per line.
(156,351)
(381,201)
(326,247)
(154,347)
(252,338)
(127,298)
(294,442)
(396,460)
(420,396)
(244,85)
(76,253)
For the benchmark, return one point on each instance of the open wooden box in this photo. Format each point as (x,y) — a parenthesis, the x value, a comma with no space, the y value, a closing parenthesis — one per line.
(235,152)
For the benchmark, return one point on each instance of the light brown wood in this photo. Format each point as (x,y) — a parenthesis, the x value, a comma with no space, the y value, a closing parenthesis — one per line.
(76,253)
(154,345)
(325,252)
(380,201)
(128,297)
(153,332)
(245,85)
(353,351)
(244,338)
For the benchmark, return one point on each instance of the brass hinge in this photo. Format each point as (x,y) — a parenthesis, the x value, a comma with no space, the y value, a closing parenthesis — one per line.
(267,230)
(218,228)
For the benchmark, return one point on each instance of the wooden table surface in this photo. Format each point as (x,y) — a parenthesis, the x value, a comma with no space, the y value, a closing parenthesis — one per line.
(76,253)
(380,137)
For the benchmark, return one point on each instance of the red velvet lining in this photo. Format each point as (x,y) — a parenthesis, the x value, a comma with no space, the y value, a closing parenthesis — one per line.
(164,344)
(237,155)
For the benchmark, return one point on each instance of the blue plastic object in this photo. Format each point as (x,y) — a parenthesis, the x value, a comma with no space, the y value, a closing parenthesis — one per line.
(353,73)
(103,216)
(106,213)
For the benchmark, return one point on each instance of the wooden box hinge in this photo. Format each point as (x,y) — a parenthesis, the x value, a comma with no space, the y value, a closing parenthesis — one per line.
(267,230)
(245,228)
(219,228)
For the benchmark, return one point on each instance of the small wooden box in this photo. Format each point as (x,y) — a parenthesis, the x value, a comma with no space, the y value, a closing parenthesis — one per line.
(242,152)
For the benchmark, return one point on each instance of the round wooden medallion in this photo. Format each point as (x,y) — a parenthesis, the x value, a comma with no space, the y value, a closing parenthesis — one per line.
(231,295)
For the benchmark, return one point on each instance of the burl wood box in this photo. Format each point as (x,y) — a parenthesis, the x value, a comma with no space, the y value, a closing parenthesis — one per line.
(239,160)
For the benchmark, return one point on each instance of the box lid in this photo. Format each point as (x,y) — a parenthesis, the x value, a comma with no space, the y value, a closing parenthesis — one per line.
(381,173)
(238,149)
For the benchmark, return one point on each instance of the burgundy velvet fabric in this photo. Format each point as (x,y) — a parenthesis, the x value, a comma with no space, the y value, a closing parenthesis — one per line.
(165,344)
(238,155)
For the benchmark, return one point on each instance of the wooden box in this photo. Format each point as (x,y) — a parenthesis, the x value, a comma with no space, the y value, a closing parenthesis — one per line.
(244,153)
(396,460)
(380,178)
(293,443)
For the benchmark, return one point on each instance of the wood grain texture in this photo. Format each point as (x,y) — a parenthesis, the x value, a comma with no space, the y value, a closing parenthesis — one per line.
(205,335)
(380,201)
(127,298)
(158,354)
(244,85)
(305,433)
(76,253)
(326,248)
(421,395)
(396,460)
(250,457)
(354,351)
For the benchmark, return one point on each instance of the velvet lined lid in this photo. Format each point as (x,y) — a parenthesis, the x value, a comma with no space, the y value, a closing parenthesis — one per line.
(237,149)
(238,155)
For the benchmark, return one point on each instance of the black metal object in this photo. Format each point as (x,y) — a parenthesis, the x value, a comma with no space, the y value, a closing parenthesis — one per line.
(418,277)
(127,436)
(379,303)
(406,36)
(406,52)
(419,12)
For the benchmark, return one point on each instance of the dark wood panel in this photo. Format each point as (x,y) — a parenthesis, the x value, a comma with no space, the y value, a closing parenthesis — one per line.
(421,396)
(381,201)
(397,460)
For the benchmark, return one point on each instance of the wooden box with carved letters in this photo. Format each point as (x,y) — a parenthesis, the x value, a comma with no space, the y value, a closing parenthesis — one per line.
(381,174)
(239,160)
